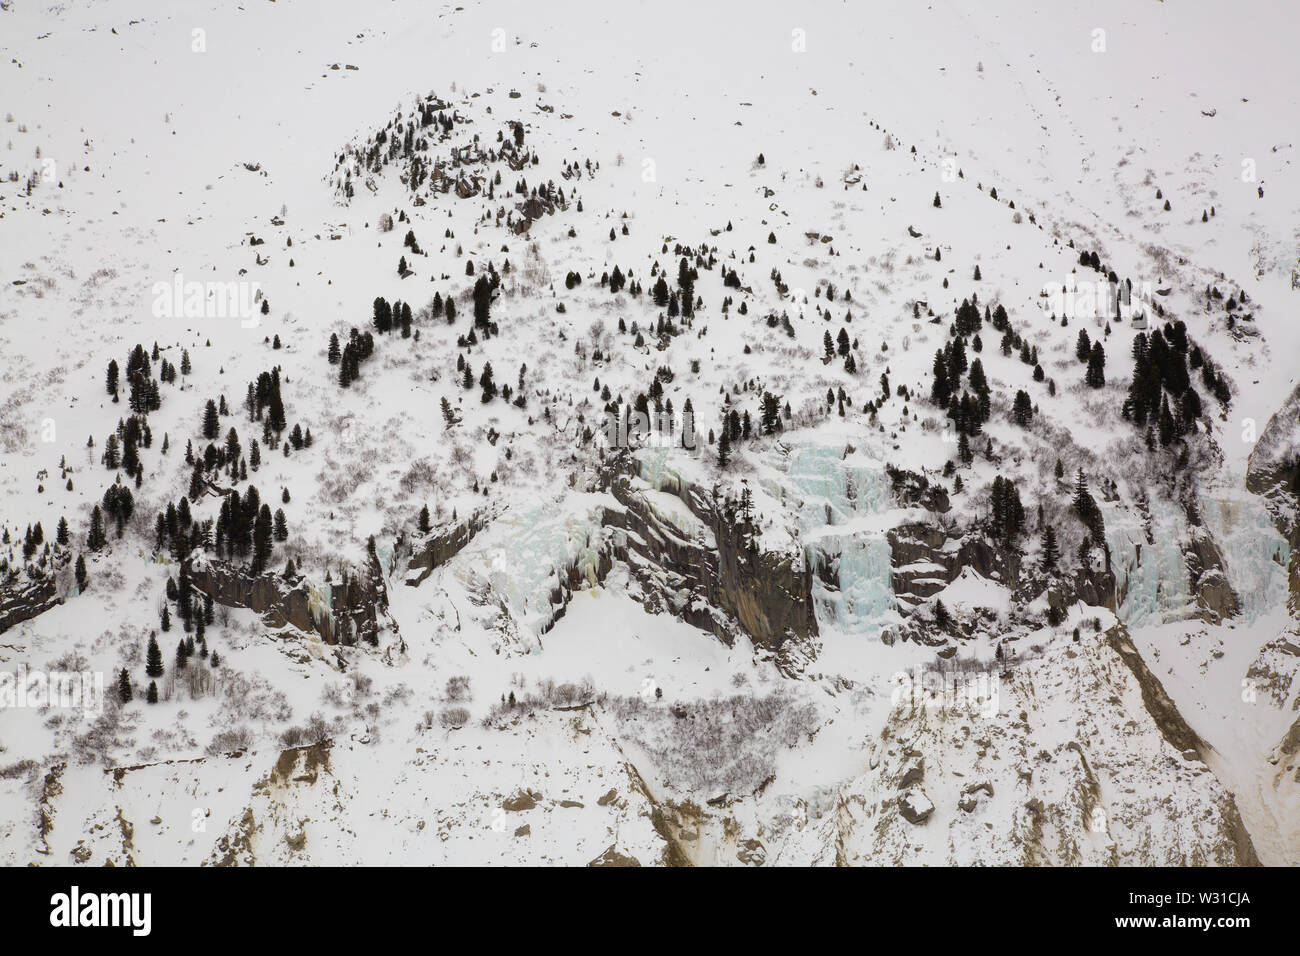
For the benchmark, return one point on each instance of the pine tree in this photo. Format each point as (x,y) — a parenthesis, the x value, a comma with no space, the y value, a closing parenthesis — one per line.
(940,391)
(1050,550)
(482,301)
(124,687)
(1083,346)
(153,659)
(487,384)
(152,695)
(211,424)
(383,312)
(1095,377)
(82,580)
(1022,409)
(423,522)
(96,539)
(112,455)
(941,616)
(1167,433)
(263,531)
(1082,497)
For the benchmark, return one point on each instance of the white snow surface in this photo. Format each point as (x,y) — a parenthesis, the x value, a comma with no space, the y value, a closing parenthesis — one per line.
(488,728)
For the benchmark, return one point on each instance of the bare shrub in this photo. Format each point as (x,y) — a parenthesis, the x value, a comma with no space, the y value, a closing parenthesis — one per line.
(451,717)
(23,768)
(457,688)
(229,741)
(725,745)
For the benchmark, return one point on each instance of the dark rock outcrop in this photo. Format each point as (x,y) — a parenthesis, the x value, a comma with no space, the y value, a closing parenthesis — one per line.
(442,545)
(926,561)
(23,599)
(1274,475)
(1215,599)
(356,603)
(924,564)
(914,490)
(768,594)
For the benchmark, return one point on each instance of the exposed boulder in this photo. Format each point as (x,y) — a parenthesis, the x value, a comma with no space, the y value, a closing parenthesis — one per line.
(915,806)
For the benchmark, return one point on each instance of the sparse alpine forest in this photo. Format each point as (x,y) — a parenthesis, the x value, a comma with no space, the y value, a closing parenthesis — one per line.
(471,437)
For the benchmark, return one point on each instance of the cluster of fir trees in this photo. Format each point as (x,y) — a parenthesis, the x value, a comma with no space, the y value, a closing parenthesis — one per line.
(680,299)
(1161,398)
(1007,518)
(122,447)
(154,669)
(144,396)
(361,345)
(736,426)
(971,410)
(246,527)
(1093,354)
(386,318)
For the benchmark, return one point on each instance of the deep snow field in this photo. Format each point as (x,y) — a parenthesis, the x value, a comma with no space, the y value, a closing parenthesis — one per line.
(598,654)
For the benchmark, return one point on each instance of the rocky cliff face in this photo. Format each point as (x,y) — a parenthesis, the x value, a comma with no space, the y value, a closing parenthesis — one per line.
(441,545)
(346,612)
(24,599)
(695,571)
(1273,470)
(1215,599)
(1273,473)
(927,559)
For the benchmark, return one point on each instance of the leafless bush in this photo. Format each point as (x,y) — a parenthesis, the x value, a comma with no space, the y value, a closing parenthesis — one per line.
(726,745)
(457,688)
(23,768)
(228,741)
(453,717)
(421,474)
(547,696)
(314,732)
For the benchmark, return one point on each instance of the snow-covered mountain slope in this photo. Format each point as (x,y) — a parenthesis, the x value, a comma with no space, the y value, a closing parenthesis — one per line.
(888,454)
